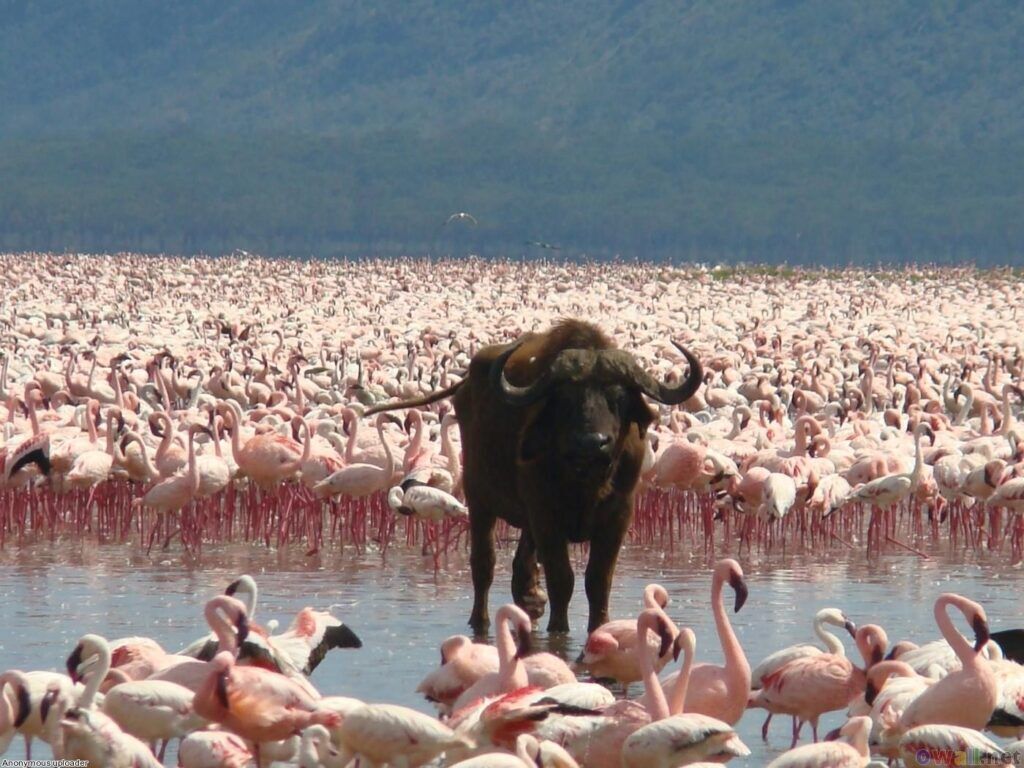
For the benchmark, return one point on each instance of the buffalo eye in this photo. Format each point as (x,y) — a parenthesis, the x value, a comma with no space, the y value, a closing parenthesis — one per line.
(617,398)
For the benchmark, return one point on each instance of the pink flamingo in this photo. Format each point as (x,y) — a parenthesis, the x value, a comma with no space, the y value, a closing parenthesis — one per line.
(227,618)
(968,696)
(257,704)
(776,661)
(357,480)
(214,749)
(809,686)
(609,650)
(597,740)
(267,459)
(681,738)
(851,751)
(722,691)
(511,674)
(463,662)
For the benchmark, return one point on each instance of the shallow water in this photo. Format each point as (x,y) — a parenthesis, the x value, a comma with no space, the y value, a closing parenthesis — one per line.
(51,594)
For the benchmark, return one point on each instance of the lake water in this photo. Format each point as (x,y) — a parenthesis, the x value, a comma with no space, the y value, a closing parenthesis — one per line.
(50,594)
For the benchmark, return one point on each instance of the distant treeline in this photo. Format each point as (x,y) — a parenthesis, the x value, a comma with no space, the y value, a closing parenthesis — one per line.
(772,198)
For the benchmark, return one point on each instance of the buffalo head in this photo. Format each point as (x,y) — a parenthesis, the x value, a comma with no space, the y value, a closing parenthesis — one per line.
(587,400)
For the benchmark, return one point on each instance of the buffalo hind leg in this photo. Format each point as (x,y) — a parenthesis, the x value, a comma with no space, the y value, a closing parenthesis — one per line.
(554,556)
(604,553)
(526,591)
(481,561)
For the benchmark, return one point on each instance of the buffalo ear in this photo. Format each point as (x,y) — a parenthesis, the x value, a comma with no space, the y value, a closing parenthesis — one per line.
(535,439)
(639,412)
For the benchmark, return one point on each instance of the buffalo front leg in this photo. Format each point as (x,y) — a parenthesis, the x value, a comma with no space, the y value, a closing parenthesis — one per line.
(526,591)
(481,562)
(604,553)
(554,556)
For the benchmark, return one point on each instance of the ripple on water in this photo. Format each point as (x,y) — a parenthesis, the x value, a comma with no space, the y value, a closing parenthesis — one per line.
(402,609)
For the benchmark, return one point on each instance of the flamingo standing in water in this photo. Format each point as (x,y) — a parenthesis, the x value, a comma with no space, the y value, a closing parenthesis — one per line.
(775,661)
(850,751)
(809,686)
(511,674)
(609,650)
(357,480)
(257,704)
(964,698)
(722,691)
(681,738)
(596,740)
(463,662)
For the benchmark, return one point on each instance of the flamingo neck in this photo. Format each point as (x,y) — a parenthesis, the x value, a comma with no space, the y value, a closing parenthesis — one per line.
(448,449)
(389,466)
(957,642)
(150,466)
(350,447)
(307,443)
(165,441)
(110,435)
(226,639)
(193,466)
(915,475)
(1007,424)
(94,677)
(736,665)
(511,672)
(654,695)
(682,684)
(833,643)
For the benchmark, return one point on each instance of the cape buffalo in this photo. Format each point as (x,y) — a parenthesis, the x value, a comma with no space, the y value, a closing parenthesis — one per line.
(553,429)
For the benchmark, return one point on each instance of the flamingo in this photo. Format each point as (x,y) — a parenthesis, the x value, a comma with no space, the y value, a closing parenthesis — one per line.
(722,691)
(681,738)
(463,662)
(951,740)
(257,704)
(775,661)
(214,749)
(808,686)
(511,674)
(357,480)
(964,698)
(227,617)
(850,752)
(609,650)
(387,734)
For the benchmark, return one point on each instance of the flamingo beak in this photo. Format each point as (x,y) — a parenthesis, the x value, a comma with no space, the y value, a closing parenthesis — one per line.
(524,643)
(74,661)
(233,587)
(241,628)
(343,637)
(740,587)
(222,690)
(677,647)
(667,640)
(870,693)
(49,699)
(981,633)
(850,627)
(24,706)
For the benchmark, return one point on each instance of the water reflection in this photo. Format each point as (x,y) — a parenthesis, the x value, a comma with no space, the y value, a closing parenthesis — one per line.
(402,609)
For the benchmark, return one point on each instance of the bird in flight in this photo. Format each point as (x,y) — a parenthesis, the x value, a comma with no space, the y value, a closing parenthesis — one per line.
(461,216)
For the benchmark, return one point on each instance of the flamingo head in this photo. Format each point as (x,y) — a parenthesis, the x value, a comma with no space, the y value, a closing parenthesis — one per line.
(979,623)
(47,702)
(24,705)
(738,584)
(524,640)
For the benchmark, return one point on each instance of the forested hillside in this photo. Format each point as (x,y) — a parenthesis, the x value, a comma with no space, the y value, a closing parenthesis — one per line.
(710,129)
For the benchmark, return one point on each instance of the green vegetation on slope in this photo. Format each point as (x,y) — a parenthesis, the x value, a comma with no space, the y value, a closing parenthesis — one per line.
(760,131)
